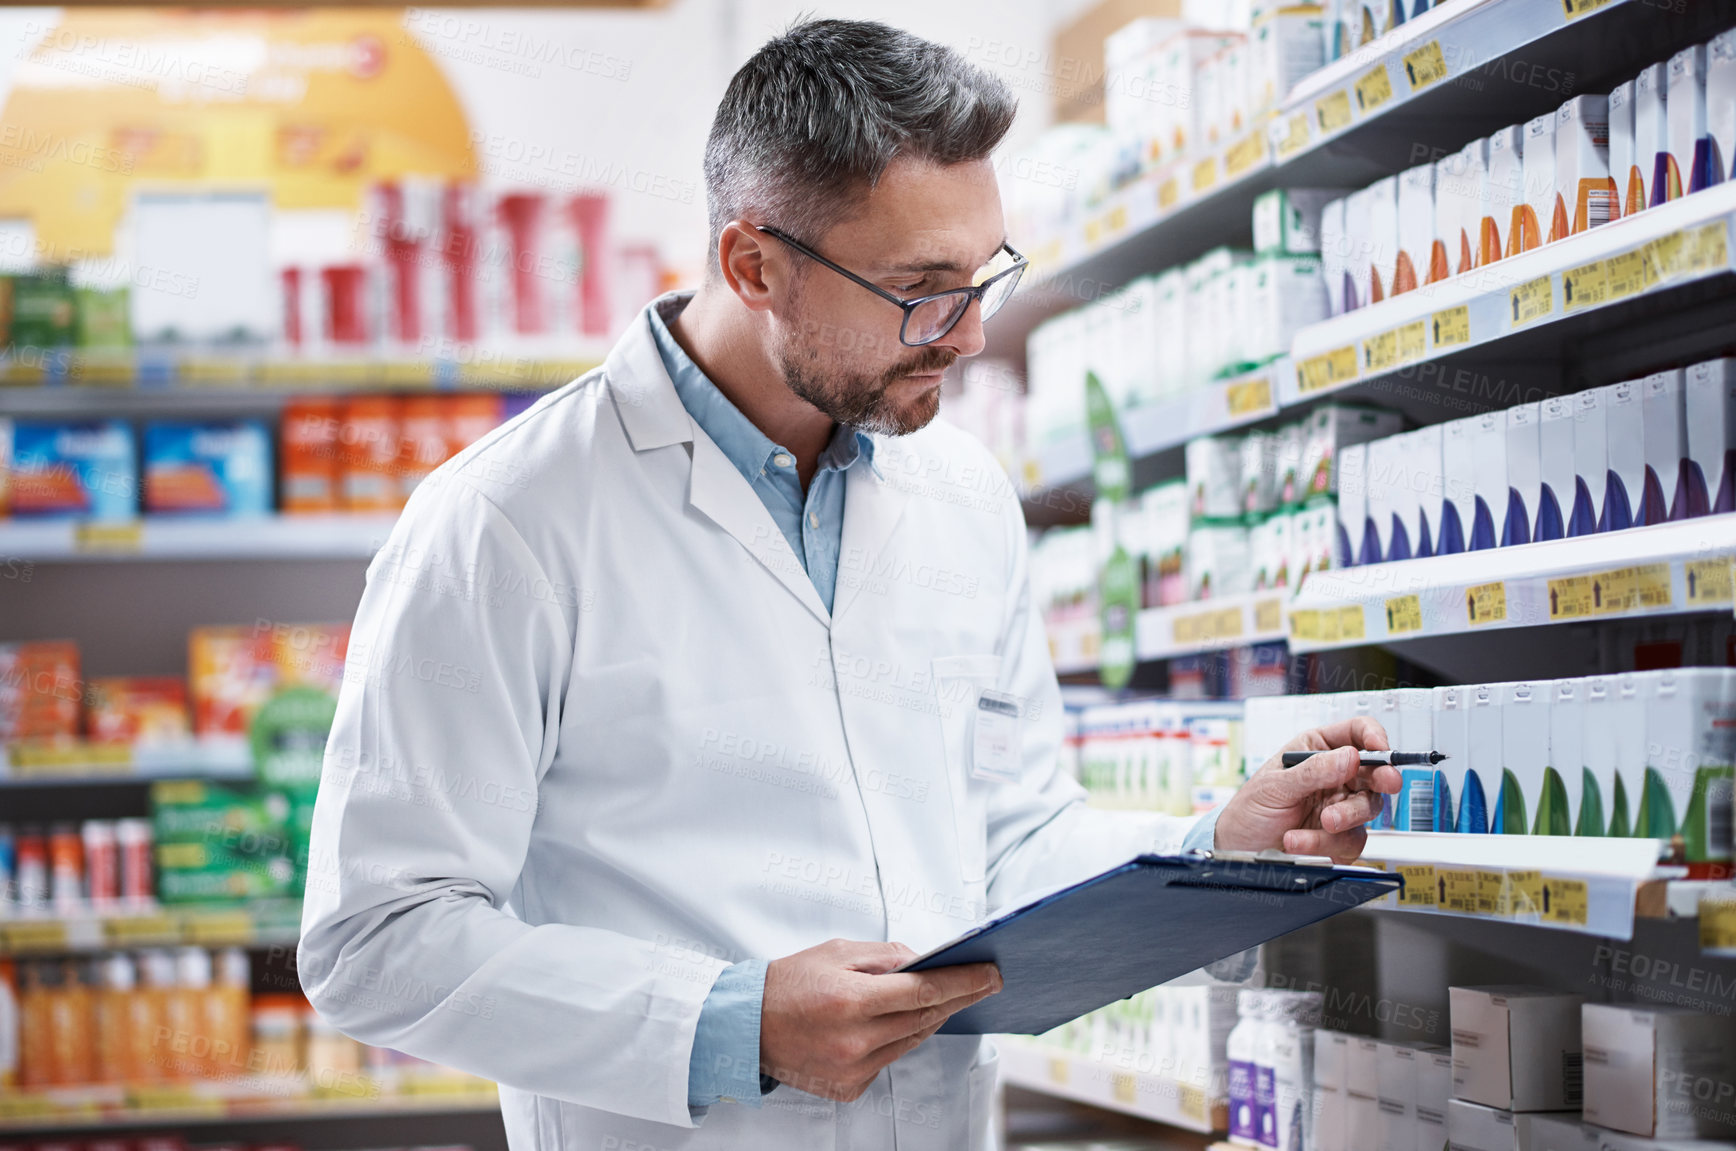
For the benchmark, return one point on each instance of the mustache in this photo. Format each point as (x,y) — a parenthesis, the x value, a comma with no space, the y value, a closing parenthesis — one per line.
(929,360)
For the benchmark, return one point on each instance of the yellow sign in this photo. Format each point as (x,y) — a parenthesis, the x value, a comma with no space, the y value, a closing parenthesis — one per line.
(1124,1087)
(1205,174)
(1708,580)
(34,935)
(138,930)
(1244,154)
(1389,350)
(1305,625)
(1425,66)
(1584,287)
(1058,1070)
(1690,253)
(220,928)
(1419,884)
(1577,8)
(1373,89)
(1565,901)
(1522,894)
(1268,615)
(1168,194)
(1631,589)
(1332,112)
(1404,614)
(100,537)
(1570,597)
(1350,623)
(1625,275)
(1248,397)
(1717,924)
(1486,603)
(1295,136)
(1207,627)
(1532,301)
(1452,327)
(1489,887)
(1456,889)
(1320,372)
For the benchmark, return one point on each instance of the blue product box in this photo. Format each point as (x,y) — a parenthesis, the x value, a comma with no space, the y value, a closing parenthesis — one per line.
(82,470)
(221,468)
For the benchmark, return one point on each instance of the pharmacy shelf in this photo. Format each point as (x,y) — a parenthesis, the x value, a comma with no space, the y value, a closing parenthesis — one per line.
(1212,625)
(1076,646)
(261,923)
(1661,570)
(54,764)
(260,1098)
(1038,1066)
(310,537)
(1221,406)
(1590,885)
(34,371)
(1526,304)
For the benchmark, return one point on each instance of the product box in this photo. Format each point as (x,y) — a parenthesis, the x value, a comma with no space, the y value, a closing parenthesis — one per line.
(1428,484)
(1623,499)
(1721,103)
(222,842)
(1395,1096)
(1353,522)
(1381,203)
(424,439)
(1489,480)
(1451,708)
(1361,1093)
(1458,486)
(1387,484)
(1286,294)
(1416,262)
(1214,476)
(1286,44)
(1474,1127)
(87,470)
(1480,786)
(39,690)
(1516,1048)
(1585,192)
(232,671)
(1624,169)
(137,710)
(309,450)
(1434,1093)
(1531,227)
(1458,210)
(44,311)
(1503,193)
(1590,463)
(1524,472)
(1710,395)
(1690,761)
(1407,714)
(1316,529)
(1217,559)
(1621,1141)
(1287,220)
(1555,466)
(1326,1128)
(1329,428)
(368,450)
(1652,138)
(1524,756)
(1691,163)
(1564,1133)
(1665,415)
(1334,262)
(1627,702)
(1602,801)
(1658,1071)
(1564,778)
(208,468)
(1359,247)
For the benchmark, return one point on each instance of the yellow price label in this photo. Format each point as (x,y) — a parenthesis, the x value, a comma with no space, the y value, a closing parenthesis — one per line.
(1227,624)
(1570,597)
(1490,885)
(1168,194)
(1404,614)
(1584,287)
(1374,88)
(1625,275)
(1708,580)
(1059,1071)
(1244,154)
(1486,603)
(1093,232)
(136,930)
(180,856)
(1124,1087)
(1205,174)
(1350,623)
(1320,372)
(1419,884)
(1295,137)
(28,1106)
(101,537)
(1249,397)
(230,927)
(1332,111)
(1425,66)
(1268,615)
(1532,300)
(1630,589)
(1522,894)
(1389,350)
(1456,890)
(1191,1101)
(1305,625)
(220,371)
(1577,8)
(1329,626)
(1452,326)
(102,371)
(1717,924)
(1565,901)
(1116,220)
(407,373)
(1705,249)
(34,935)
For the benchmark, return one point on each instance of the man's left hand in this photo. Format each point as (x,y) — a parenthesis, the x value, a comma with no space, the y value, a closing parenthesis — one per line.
(1318,807)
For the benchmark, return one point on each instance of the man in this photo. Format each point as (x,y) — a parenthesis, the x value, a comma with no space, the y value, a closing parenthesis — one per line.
(658,748)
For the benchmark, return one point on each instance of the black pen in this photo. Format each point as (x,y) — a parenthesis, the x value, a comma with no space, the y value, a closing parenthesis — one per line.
(1378,758)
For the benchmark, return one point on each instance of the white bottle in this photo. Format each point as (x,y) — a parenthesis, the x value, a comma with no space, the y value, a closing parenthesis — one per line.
(1292,1031)
(1266,1071)
(1250,1007)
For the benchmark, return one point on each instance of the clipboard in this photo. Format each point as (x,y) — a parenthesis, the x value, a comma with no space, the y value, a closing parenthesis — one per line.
(1141,923)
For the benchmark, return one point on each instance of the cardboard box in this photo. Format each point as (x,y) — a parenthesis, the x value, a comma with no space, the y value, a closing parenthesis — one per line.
(1555,465)
(1690,765)
(1458,209)
(1710,390)
(1503,193)
(1524,472)
(1182,68)
(1416,229)
(1525,725)
(1660,1072)
(1428,482)
(1600,786)
(1481,782)
(1328,429)
(1621,1141)
(368,450)
(1590,463)
(309,452)
(1316,528)
(208,468)
(1652,136)
(1473,1127)
(1721,102)
(1624,168)
(1285,295)
(1691,165)
(1359,247)
(1458,486)
(1286,44)
(1627,710)
(1334,264)
(1489,458)
(1130,107)
(1452,737)
(83,470)
(1516,1048)
(1396,1094)
(1666,445)
(1361,1094)
(1532,223)
(1585,192)
(40,690)
(1381,203)
(1564,778)
(1353,523)
(1331,1054)
(1434,1094)
(1287,220)
(1077,58)
(1564,1133)
(1623,499)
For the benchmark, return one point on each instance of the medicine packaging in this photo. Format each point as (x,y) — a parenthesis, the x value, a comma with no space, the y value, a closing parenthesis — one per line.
(1647,1069)
(1710,395)
(1516,1048)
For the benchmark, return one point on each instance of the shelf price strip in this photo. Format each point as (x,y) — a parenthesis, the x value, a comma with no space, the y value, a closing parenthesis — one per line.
(1326,371)
(1574,9)
(1295,136)
(1269,615)
(1402,345)
(1452,327)
(1486,603)
(1248,397)
(1532,300)
(1708,581)
(1244,154)
(1333,111)
(1374,88)
(1404,614)
(1425,66)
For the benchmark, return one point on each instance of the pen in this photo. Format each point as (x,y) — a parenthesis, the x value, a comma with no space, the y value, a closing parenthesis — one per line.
(1378,758)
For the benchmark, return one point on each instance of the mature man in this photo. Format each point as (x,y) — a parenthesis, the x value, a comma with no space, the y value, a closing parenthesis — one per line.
(658,746)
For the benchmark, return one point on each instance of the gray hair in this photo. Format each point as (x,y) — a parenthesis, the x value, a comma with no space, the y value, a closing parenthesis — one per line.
(809,124)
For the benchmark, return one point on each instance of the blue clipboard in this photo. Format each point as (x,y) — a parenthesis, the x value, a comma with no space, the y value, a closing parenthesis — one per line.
(1139,924)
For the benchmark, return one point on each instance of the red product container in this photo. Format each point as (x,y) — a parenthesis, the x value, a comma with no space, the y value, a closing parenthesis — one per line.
(309,451)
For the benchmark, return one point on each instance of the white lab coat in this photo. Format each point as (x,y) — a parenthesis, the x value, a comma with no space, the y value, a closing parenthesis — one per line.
(599,739)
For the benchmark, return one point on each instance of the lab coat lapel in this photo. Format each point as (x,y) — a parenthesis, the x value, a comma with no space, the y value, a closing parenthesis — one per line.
(873,505)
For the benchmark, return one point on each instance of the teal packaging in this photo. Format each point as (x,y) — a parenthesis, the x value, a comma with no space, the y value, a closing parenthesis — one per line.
(84,470)
(208,468)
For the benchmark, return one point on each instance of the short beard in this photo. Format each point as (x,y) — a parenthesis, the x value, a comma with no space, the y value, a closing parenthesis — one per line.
(861,401)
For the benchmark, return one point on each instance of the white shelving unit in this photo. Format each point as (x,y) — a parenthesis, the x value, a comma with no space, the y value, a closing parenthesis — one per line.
(1117,1084)
(1213,624)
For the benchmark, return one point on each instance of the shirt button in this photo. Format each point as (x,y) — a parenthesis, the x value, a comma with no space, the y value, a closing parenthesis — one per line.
(782,460)
(813,520)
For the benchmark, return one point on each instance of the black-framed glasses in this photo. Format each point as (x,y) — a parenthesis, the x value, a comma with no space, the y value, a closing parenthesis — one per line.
(928,318)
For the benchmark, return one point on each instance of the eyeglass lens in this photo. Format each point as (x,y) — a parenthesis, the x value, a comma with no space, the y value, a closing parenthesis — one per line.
(934,318)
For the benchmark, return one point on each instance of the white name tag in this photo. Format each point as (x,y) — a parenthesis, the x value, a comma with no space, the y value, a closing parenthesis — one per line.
(995,739)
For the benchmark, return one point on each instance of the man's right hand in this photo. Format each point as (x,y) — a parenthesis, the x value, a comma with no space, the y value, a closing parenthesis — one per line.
(832,1016)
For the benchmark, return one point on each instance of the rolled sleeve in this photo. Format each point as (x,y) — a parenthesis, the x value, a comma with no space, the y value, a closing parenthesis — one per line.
(724,1066)
(1204,833)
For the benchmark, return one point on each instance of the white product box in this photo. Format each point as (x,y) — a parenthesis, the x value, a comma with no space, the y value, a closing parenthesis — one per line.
(1286,294)
(1597,747)
(1585,192)
(1434,1093)
(1489,458)
(1169,321)
(1690,759)
(1217,560)
(1359,247)
(1287,220)
(1407,714)
(1711,402)
(1721,102)
(1563,781)
(1563,1133)
(1361,1094)
(1329,428)
(1473,1127)
(1516,1048)
(221,243)
(1630,184)
(1621,1141)
(1415,264)
(1524,755)
(1503,193)
(1481,782)
(1386,481)
(1178,61)
(1381,204)
(1128,107)
(1627,704)
(1555,464)
(1286,44)
(1458,208)
(1666,433)
(1214,476)
(1538,164)
(1658,1071)
(1334,266)
(1331,1054)
(1451,719)
(1291,484)
(1259,471)
(1524,472)
(1395,1096)
(1623,502)
(1458,486)
(1690,152)
(1652,134)
(1590,463)
(1352,503)
(1428,482)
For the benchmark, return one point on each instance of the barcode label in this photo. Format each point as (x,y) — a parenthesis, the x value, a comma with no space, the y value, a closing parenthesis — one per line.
(1572,1077)
(1718,818)
(1421,805)
(1597,206)
(1597,1056)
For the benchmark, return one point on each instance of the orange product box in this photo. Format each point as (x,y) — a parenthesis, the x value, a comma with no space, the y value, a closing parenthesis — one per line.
(472,417)
(309,449)
(368,448)
(232,670)
(136,709)
(423,439)
(40,690)
(310,654)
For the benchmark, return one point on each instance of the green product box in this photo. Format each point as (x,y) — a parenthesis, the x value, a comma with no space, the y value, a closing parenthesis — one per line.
(104,319)
(43,311)
(222,841)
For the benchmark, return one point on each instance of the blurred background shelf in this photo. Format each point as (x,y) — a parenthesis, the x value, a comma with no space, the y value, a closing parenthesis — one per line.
(278,537)
(1034,1065)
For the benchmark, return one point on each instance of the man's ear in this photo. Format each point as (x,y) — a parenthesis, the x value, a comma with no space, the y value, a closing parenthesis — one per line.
(747,270)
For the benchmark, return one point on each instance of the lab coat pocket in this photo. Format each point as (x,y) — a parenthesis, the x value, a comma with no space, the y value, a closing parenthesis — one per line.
(958,681)
(984,1077)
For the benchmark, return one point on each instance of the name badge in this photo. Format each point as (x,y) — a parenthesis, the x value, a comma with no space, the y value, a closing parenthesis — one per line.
(995,740)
